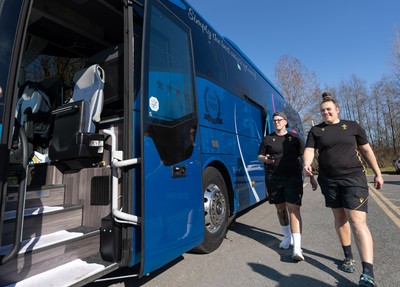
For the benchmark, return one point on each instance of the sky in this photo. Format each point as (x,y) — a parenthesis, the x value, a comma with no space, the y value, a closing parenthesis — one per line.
(335,39)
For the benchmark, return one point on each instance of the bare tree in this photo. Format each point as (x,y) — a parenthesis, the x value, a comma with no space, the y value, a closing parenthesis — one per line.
(376,108)
(396,55)
(355,101)
(299,86)
(387,109)
(396,88)
(376,113)
(353,95)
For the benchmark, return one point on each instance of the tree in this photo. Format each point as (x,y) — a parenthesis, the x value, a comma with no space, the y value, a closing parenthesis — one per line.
(396,56)
(376,108)
(299,86)
(354,98)
(395,89)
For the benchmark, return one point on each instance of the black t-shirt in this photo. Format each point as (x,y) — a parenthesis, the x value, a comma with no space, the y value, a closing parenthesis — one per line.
(337,147)
(286,150)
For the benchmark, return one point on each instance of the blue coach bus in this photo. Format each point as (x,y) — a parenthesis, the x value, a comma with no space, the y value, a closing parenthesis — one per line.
(129,136)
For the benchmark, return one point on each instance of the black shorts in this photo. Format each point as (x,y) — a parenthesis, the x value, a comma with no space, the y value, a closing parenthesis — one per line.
(350,192)
(284,189)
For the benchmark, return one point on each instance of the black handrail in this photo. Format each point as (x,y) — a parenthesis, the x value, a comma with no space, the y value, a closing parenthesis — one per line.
(21,171)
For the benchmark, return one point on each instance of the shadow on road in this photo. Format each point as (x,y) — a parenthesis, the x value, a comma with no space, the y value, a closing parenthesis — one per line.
(293,280)
(271,240)
(128,276)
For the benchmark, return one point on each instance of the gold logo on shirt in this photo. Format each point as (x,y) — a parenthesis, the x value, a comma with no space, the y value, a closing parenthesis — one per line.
(290,139)
(344,126)
(273,139)
(361,200)
(323,129)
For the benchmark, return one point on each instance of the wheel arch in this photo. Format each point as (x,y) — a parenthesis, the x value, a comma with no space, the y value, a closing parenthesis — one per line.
(225,174)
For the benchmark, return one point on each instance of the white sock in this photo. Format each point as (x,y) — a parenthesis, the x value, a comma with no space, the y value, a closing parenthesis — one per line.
(296,241)
(286,231)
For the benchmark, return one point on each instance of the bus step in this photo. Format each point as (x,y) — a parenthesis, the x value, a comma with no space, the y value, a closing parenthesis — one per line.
(46,252)
(37,196)
(83,272)
(41,220)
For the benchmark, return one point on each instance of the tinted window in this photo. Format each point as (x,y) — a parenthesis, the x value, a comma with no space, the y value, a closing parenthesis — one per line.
(9,11)
(294,121)
(169,102)
(170,83)
(243,79)
(208,49)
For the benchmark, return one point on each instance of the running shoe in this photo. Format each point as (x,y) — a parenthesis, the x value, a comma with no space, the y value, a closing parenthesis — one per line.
(366,281)
(348,265)
(297,255)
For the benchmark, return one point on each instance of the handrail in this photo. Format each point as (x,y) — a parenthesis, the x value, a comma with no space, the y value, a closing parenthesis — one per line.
(67,109)
(21,171)
(117,162)
(126,162)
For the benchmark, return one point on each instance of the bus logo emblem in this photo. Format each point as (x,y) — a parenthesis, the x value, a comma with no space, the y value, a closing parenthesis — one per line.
(212,105)
(154,104)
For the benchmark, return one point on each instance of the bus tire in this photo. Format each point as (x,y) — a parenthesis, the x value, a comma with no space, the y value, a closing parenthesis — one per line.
(216,210)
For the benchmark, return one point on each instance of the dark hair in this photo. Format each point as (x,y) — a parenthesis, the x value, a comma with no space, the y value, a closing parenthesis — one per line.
(327,97)
(280,114)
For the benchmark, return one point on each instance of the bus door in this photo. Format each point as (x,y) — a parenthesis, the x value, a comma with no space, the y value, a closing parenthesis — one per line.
(172,199)
(12,23)
(13,17)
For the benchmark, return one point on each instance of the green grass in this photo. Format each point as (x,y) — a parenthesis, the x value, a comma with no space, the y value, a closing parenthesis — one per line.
(388,170)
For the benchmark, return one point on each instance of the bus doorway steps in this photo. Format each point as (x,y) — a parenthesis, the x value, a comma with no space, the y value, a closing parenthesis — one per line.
(47,195)
(46,252)
(78,272)
(42,220)
(53,235)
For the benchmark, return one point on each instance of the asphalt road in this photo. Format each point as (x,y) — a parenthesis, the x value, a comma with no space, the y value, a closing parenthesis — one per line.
(250,256)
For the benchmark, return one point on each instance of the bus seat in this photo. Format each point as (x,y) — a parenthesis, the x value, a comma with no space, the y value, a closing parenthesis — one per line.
(54,88)
(89,84)
(75,142)
(33,113)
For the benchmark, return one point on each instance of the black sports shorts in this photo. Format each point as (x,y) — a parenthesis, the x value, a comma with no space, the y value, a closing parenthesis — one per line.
(284,188)
(349,192)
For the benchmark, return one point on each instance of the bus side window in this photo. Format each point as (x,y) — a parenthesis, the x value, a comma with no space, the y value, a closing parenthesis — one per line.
(170,72)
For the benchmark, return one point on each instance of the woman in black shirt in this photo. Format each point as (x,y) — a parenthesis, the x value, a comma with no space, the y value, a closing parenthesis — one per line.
(343,182)
(281,151)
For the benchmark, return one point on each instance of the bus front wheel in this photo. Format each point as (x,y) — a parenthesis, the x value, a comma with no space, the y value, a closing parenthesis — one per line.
(216,210)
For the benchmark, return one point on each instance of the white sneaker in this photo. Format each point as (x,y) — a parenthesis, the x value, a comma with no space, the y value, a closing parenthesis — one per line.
(297,255)
(285,243)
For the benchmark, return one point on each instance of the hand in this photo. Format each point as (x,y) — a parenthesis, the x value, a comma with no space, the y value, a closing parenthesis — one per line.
(307,170)
(378,182)
(269,159)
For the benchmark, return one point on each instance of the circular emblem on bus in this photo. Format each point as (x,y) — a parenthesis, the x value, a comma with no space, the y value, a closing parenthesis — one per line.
(154,104)
(213,107)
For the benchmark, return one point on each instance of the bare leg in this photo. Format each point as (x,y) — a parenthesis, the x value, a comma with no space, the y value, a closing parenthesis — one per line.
(362,235)
(296,224)
(282,214)
(296,227)
(342,226)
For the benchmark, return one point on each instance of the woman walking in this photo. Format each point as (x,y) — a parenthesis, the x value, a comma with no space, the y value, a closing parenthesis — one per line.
(343,181)
(281,151)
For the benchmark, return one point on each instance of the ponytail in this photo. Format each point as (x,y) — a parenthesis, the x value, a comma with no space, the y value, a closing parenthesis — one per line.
(327,97)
